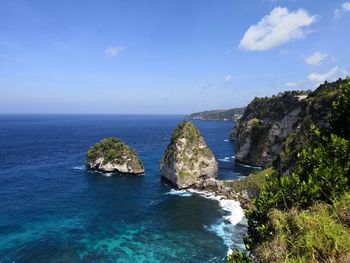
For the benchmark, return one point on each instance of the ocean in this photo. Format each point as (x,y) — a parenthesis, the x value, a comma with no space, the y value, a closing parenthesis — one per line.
(53,210)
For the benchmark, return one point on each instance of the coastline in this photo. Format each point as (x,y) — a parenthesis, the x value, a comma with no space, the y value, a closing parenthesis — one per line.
(235,214)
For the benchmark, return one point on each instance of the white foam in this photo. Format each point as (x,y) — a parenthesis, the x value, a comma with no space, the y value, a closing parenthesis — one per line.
(225,227)
(226,140)
(234,208)
(227,159)
(107,174)
(224,231)
(78,167)
(179,193)
(249,166)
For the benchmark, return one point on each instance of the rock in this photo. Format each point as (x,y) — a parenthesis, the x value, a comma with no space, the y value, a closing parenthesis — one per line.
(274,129)
(113,155)
(216,115)
(187,159)
(266,123)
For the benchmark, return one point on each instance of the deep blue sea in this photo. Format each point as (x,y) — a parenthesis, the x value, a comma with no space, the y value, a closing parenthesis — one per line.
(53,210)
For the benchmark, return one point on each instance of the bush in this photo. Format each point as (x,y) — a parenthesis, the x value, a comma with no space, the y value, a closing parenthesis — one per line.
(322,175)
(238,257)
(312,235)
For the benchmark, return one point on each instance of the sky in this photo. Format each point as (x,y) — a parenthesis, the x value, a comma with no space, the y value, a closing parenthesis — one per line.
(165,56)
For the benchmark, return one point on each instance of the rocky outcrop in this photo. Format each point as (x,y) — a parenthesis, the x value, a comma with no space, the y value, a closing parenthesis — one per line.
(318,106)
(266,123)
(273,130)
(113,155)
(218,188)
(187,159)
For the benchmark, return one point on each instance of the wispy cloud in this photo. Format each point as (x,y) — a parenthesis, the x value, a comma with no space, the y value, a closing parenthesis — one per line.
(114,51)
(315,59)
(279,27)
(345,7)
(228,78)
(295,84)
(330,75)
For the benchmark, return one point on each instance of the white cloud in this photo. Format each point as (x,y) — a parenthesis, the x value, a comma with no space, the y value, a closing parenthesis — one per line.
(280,26)
(330,75)
(315,59)
(295,84)
(345,7)
(228,78)
(114,51)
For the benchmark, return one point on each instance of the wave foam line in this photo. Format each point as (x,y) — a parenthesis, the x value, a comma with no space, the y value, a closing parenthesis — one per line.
(225,227)
(227,159)
(179,193)
(78,167)
(249,166)
(234,208)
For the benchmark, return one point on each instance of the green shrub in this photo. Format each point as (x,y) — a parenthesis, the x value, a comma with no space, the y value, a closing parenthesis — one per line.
(312,235)
(252,183)
(238,257)
(322,175)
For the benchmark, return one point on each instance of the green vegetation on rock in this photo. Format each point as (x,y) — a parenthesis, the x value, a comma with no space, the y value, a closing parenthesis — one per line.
(264,125)
(111,150)
(187,159)
(115,152)
(304,216)
(252,183)
(229,115)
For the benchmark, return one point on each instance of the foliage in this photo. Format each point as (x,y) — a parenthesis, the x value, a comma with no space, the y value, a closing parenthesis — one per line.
(340,117)
(111,150)
(230,114)
(252,183)
(316,110)
(238,257)
(322,175)
(312,235)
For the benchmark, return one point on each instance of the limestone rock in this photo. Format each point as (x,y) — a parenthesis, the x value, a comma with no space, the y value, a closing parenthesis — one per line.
(266,123)
(187,159)
(113,155)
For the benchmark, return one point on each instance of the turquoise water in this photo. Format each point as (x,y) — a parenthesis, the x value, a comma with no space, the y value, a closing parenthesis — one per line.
(53,210)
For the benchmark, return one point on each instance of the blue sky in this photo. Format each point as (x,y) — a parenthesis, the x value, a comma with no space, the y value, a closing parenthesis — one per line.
(165,56)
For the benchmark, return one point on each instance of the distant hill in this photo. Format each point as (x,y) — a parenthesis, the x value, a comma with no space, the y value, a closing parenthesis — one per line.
(217,115)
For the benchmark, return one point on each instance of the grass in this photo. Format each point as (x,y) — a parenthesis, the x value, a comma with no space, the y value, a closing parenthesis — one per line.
(318,234)
(253,183)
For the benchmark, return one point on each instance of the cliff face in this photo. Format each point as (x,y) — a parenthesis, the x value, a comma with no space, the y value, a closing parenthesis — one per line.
(264,125)
(318,106)
(187,159)
(113,155)
(217,115)
(273,130)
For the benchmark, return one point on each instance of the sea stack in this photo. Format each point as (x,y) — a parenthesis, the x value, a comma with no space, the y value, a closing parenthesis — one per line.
(187,159)
(113,155)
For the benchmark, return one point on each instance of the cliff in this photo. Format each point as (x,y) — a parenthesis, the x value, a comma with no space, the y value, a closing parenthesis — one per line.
(217,115)
(317,109)
(187,159)
(113,155)
(265,124)
(272,130)
(301,213)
